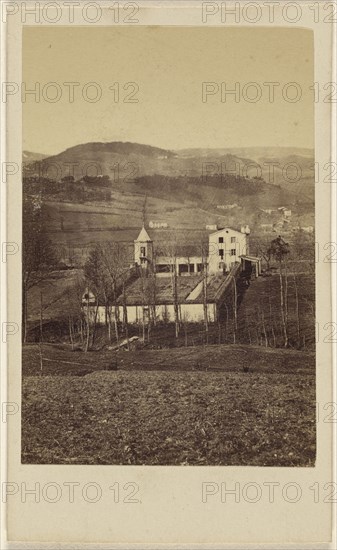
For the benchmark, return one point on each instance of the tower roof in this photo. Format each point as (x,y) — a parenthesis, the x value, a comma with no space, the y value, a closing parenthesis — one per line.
(143,236)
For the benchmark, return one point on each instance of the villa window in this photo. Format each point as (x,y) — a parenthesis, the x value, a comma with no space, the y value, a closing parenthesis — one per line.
(142,250)
(233,251)
(220,239)
(232,239)
(221,253)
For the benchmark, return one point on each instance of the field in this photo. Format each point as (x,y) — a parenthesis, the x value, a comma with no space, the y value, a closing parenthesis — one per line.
(75,228)
(218,405)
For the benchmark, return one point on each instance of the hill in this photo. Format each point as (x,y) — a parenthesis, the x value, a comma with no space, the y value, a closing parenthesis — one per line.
(290,168)
(29,156)
(118,160)
(124,162)
(182,188)
(253,153)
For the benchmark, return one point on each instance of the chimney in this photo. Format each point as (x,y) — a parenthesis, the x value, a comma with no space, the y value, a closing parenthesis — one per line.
(246,231)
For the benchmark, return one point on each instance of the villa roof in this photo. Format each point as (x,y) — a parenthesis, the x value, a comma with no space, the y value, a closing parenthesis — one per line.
(224,229)
(143,236)
(141,292)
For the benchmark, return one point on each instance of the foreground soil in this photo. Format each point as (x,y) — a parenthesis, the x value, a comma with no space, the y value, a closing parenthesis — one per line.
(221,405)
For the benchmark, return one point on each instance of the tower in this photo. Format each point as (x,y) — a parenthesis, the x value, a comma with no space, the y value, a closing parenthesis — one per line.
(143,249)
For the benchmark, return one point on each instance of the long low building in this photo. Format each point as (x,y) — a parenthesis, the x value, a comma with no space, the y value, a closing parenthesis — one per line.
(149,299)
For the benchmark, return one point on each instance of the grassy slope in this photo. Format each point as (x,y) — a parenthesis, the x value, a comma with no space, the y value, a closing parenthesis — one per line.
(178,406)
(230,417)
(61,361)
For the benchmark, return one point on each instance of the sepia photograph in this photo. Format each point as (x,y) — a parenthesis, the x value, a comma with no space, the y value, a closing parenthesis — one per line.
(168,246)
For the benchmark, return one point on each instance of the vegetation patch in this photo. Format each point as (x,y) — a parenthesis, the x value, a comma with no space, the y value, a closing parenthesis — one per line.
(170,418)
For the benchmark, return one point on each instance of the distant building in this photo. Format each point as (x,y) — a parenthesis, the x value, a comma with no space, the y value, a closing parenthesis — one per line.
(285,211)
(227,206)
(211,227)
(266,226)
(269,210)
(158,225)
(308,229)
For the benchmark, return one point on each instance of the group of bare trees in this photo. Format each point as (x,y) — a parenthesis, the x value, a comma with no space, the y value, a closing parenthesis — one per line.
(288,321)
(171,252)
(105,276)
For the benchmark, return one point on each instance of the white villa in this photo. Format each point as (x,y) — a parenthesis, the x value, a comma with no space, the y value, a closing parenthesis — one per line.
(225,248)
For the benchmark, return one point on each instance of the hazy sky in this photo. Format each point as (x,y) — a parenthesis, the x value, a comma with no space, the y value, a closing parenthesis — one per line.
(169,65)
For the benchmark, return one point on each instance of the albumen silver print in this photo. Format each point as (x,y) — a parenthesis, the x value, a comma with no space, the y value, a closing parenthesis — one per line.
(168,247)
(169,258)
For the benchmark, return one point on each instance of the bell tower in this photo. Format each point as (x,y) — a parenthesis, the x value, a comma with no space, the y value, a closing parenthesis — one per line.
(143,249)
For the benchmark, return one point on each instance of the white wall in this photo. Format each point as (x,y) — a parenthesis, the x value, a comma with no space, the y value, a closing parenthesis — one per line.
(240,246)
(192,313)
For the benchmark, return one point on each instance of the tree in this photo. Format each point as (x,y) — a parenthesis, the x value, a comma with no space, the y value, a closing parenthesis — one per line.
(39,256)
(171,252)
(76,317)
(106,273)
(204,288)
(114,264)
(68,179)
(303,256)
(263,249)
(280,250)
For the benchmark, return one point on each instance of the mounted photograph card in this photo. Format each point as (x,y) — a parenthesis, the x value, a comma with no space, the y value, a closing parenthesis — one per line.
(169,250)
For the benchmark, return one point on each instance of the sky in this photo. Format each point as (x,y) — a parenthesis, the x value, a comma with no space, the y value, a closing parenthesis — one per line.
(169,66)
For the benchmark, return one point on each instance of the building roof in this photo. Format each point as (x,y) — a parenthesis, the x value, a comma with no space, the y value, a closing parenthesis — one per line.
(147,289)
(144,291)
(143,236)
(250,258)
(225,229)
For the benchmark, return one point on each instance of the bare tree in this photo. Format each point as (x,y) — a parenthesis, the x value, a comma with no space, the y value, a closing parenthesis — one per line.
(171,252)
(125,316)
(115,261)
(97,285)
(152,290)
(105,269)
(75,305)
(143,280)
(204,288)
(41,333)
(279,249)
(185,320)
(263,250)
